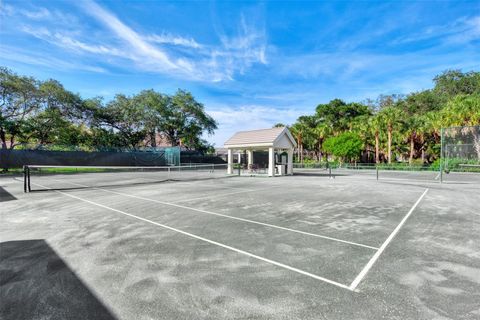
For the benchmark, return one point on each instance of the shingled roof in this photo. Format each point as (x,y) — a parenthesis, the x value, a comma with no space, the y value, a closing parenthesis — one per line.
(259,137)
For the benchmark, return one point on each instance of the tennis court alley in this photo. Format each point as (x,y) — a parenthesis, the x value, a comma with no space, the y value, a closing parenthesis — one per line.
(117,244)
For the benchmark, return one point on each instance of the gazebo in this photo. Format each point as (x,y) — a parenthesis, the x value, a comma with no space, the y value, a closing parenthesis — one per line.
(277,141)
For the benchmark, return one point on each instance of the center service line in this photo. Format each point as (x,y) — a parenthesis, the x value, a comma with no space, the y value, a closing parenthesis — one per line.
(377,254)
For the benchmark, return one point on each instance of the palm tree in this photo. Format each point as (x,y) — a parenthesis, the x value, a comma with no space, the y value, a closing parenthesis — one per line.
(375,125)
(322,130)
(412,125)
(361,126)
(303,130)
(391,118)
(297,130)
(421,133)
(433,124)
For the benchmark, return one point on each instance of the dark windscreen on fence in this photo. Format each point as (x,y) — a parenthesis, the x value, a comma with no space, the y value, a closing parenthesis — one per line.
(17,158)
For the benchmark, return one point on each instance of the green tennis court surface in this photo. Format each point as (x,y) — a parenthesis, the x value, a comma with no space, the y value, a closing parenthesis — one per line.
(309,246)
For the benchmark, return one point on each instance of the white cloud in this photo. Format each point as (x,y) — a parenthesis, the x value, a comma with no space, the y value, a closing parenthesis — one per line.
(167,38)
(166,53)
(37,14)
(238,53)
(462,30)
(210,63)
(30,58)
(144,51)
(470,32)
(6,10)
(67,42)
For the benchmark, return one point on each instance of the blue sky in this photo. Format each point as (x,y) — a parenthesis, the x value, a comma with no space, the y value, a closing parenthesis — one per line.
(252,64)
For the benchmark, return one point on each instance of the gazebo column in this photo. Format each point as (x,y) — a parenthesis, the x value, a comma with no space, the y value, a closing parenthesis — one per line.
(271,162)
(290,161)
(250,157)
(230,161)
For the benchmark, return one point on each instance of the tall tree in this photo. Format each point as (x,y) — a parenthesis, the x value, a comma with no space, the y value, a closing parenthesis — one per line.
(391,118)
(322,130)
(186,118)
(375,125)
(454,82)
(124,117)
(19,100)
(156,110)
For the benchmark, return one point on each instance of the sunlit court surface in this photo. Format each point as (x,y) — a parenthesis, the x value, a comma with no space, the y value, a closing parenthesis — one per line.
(344,244)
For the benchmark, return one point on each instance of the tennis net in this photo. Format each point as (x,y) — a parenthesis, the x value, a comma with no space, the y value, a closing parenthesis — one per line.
(42,177)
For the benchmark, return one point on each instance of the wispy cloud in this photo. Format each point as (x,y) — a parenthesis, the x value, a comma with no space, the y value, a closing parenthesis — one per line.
(6,10)
(144,51)
(462,30)
(470,32)
(68,42)
(211,63)
(168,38)
(37,14)
(27,57)
(239,52)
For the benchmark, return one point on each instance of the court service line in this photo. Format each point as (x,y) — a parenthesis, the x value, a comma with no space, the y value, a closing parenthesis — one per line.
(231,217)
(273,262)
(377,254)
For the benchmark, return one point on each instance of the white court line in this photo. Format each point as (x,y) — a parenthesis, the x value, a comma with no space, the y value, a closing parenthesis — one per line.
(377,254)
(229,217)
(279,264)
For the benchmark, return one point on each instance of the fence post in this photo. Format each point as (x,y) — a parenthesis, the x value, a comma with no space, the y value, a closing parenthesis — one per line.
(441,155)
(28,179)
(24,179)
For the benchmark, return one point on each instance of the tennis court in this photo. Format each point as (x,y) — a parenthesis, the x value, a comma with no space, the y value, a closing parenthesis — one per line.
(316,245)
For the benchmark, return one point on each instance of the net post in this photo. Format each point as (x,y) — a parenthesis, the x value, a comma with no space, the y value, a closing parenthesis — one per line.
(376,169)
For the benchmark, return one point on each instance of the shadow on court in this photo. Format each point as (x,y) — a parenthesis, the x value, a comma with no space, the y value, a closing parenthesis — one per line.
(6,196)
(35,283)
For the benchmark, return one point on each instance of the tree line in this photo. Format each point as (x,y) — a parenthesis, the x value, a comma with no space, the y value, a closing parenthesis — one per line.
(44,113)
(393,127)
